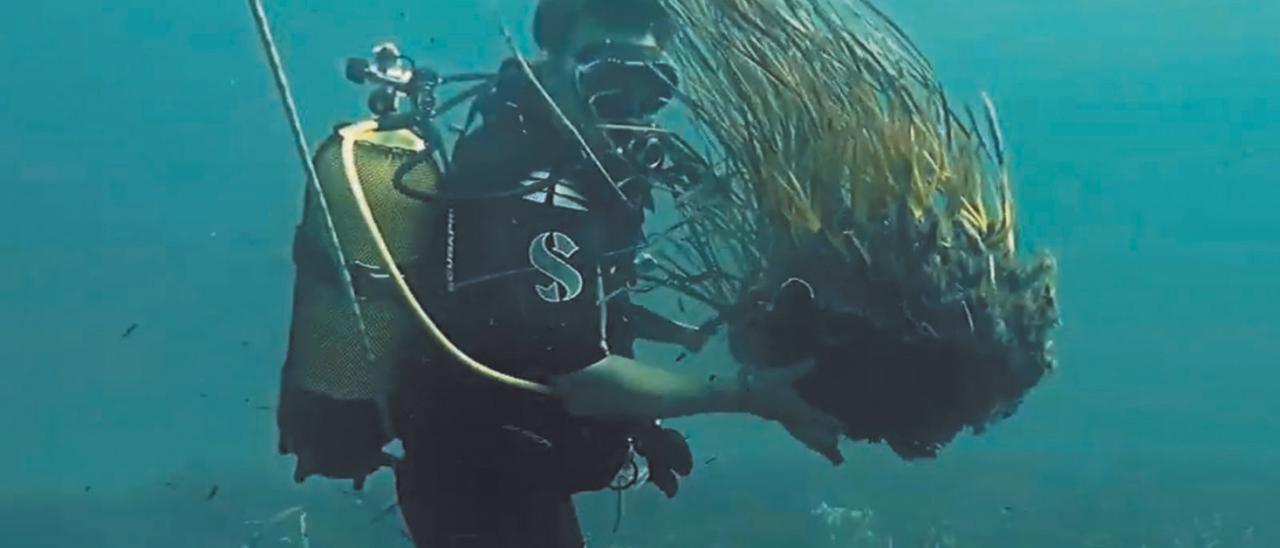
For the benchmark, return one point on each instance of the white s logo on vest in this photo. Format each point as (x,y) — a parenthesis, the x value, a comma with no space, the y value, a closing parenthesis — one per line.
(549,253)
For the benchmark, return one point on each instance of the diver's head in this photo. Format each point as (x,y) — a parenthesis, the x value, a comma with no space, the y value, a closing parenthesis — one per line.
(608,55)
(563,27)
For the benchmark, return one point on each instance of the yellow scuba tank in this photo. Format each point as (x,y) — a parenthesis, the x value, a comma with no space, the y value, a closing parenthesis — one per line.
(369,210)
(329,354)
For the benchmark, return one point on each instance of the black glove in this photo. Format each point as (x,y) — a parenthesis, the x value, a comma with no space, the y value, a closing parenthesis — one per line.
(668,455)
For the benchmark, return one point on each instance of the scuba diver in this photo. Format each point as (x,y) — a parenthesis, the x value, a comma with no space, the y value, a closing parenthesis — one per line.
(540,241)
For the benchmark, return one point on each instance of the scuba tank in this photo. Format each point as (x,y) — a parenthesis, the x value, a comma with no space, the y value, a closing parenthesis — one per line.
(342,359)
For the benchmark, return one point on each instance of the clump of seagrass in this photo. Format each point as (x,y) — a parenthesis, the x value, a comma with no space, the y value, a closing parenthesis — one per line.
(836,158)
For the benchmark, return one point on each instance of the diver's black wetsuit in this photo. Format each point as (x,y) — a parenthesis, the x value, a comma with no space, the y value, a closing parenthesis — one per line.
(526,263)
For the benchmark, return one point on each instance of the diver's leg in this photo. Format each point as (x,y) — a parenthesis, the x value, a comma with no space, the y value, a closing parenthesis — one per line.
(458,506)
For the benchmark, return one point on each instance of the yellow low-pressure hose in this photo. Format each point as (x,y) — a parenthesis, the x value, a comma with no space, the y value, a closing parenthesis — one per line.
(350,135)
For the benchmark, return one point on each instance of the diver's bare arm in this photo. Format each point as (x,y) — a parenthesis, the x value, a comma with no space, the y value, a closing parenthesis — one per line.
(622,388)
(619,388)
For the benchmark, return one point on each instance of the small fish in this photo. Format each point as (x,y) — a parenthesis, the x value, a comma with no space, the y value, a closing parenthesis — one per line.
(129,331)
(681,357)
(263,408)
(711,460)
(88,488)
(712,378)
(204,396)
(213,492)
(169,484)
(1007,510)
(680,304)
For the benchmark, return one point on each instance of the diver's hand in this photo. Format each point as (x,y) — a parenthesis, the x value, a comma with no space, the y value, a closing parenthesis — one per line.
(771,394)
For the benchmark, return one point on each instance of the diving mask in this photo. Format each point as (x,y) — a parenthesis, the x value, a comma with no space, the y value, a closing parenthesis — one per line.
(624,81)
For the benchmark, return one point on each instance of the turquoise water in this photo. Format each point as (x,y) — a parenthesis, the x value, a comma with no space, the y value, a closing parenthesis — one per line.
(151,180)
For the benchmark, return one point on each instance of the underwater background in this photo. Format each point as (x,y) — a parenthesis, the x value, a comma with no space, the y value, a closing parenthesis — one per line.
(150,187)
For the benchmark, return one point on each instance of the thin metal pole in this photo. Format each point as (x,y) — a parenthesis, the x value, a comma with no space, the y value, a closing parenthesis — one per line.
(304,154)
